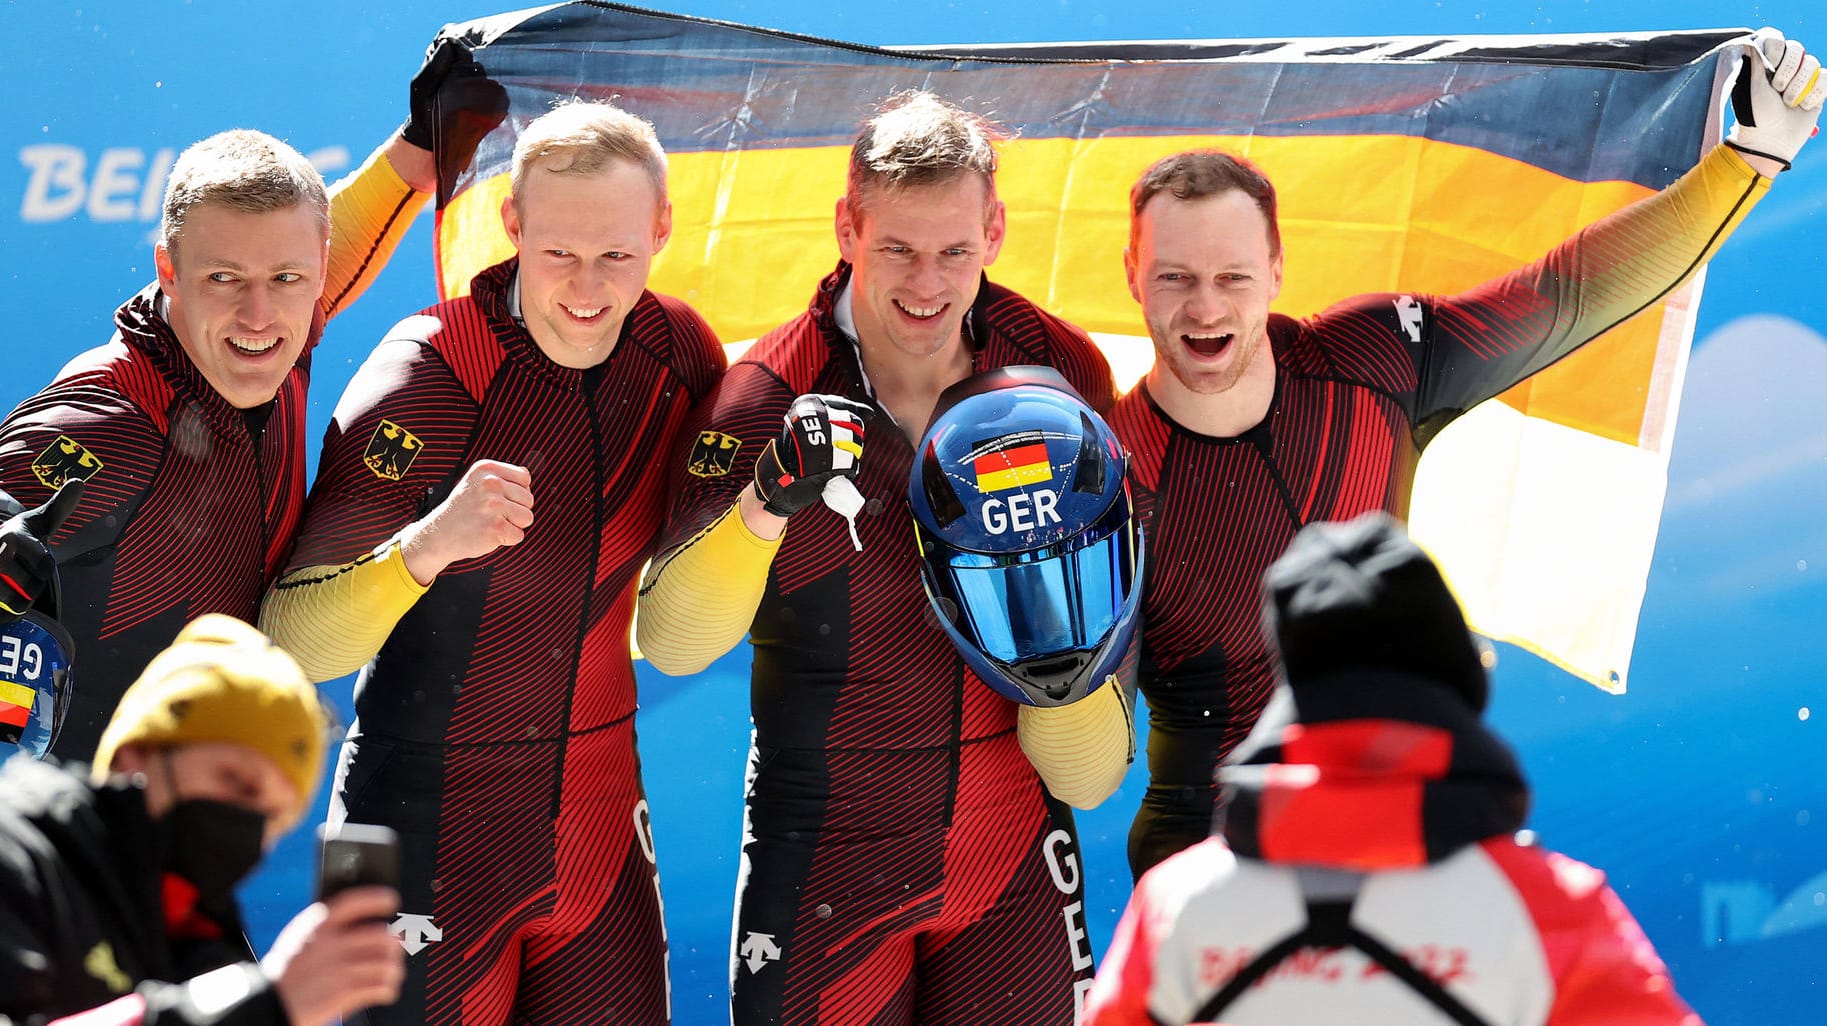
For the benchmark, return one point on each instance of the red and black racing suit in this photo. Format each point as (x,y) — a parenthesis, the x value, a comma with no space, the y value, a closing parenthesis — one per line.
(188,503)
(902,861)
(187,507)
(1359,390)
(495,727)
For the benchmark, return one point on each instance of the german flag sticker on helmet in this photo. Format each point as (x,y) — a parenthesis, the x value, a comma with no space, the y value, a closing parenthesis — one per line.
(1011,461)
(391,451)
(713,454)
(15,709)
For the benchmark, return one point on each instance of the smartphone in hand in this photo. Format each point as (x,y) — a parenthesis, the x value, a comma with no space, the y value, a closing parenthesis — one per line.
(356,855)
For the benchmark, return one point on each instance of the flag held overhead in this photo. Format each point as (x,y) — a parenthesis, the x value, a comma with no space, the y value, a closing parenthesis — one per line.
(1403,165)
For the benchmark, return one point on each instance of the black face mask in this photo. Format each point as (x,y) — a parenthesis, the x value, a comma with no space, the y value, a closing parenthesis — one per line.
(214,845)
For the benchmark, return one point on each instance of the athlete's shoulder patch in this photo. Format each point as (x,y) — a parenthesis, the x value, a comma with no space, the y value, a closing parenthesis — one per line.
(63,459)
(713,454)
(391,451)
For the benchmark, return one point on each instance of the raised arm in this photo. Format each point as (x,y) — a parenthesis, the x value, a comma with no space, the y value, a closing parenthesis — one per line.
(370,211)
(1498,334)
(372,208)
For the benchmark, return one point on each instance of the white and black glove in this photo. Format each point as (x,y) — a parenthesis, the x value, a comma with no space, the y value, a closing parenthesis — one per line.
(27,565)
(822,441)
(1777,98)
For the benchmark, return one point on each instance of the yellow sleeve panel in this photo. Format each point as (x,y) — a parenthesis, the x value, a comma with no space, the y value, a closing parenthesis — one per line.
(1686,222)
(370,211)
(333,619)
(1617,265)
(1081,750)
(699,602)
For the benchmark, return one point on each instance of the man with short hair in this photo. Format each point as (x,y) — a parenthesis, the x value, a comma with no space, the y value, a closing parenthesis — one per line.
(1252,424)
(1368,868)
(495,715)
(117,900)
(904,860)
(188,426)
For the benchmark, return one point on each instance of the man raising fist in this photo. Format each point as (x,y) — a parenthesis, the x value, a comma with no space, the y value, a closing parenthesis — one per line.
(495,716)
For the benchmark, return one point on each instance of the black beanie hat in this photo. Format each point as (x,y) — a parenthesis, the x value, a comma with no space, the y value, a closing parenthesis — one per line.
(1357,596)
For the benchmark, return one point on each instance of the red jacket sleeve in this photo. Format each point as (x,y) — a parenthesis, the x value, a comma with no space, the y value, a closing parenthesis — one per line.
(1605,971)
(1119,995)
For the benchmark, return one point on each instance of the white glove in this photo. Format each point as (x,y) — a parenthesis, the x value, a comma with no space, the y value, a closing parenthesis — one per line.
(1777,97)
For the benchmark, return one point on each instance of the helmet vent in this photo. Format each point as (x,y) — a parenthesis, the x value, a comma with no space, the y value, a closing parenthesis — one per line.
(1090,474)
(1054,677)
(941,497)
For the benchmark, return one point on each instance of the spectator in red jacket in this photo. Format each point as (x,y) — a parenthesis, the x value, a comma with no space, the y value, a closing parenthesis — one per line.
(1368,864)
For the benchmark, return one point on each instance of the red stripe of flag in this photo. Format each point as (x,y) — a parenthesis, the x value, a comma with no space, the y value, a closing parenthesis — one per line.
(1020,456)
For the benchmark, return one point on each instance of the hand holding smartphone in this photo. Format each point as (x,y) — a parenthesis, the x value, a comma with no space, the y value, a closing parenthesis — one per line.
(356,855)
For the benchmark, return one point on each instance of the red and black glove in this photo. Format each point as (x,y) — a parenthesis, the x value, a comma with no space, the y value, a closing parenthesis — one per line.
(822,440)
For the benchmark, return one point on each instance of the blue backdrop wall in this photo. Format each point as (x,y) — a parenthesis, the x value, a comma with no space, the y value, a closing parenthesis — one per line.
(1699,791)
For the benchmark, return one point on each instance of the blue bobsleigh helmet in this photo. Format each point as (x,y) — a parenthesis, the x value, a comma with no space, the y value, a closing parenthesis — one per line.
(35,657)
(1029,548)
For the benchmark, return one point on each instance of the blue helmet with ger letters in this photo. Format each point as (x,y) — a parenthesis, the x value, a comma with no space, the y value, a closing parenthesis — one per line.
(1030,551)
(35,657)
(36,653)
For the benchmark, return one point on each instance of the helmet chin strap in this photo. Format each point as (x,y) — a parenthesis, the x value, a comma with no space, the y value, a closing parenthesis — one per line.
(842,498)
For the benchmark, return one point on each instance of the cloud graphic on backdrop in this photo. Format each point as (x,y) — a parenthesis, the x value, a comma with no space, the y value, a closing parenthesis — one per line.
(1748,476)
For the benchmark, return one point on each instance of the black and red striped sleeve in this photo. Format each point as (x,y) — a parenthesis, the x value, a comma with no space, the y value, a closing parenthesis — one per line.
(81,426)
(700,596)
(1486,340)
(725,434)
(396,443)
(1443,355)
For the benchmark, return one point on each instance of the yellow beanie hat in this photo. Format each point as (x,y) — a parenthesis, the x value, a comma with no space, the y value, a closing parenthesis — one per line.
(222,680)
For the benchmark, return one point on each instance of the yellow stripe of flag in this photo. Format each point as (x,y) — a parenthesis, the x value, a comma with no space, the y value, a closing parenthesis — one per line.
(1014,477)
(16,694)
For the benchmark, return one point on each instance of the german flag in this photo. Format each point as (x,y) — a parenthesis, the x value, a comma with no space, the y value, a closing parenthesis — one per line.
(1016,461)
(1405,165)
(15,709)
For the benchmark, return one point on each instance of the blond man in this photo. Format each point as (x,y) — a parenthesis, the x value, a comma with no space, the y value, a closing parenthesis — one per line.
(495,714)
(188,425)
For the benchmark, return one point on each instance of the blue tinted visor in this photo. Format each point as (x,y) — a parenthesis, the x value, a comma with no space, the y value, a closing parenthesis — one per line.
(1044,603)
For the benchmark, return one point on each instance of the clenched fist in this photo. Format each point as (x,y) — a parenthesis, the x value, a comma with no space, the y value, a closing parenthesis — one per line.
(491,507)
